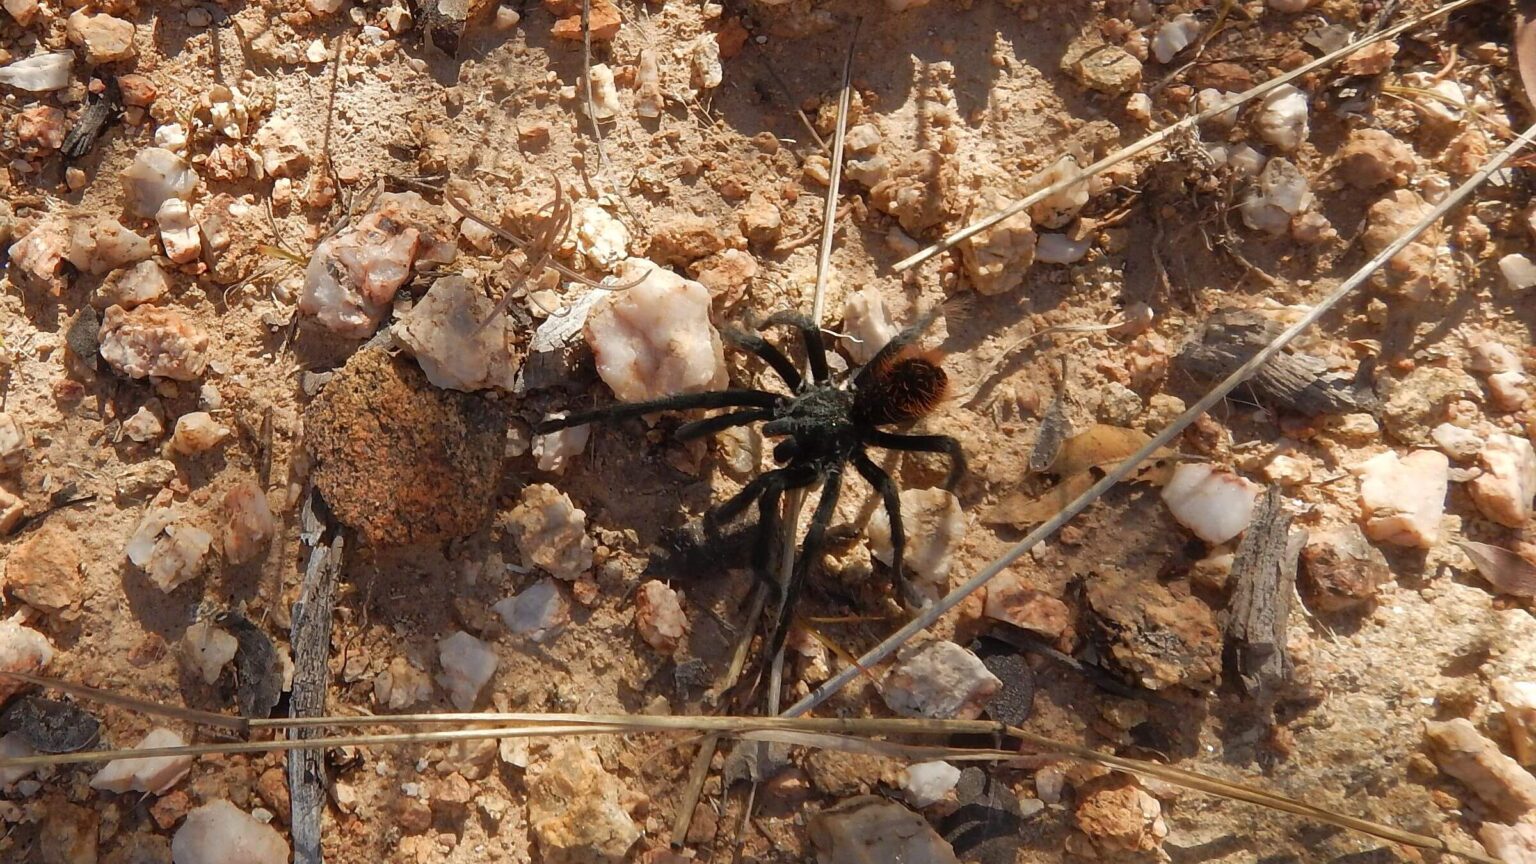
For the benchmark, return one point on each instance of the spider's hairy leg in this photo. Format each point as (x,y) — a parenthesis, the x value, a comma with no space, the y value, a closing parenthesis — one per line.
(711,425)
(768,521)
(810,554)
(891,497)
(754,490)
(924,444)
(769,353)
(815,348)
(733,398)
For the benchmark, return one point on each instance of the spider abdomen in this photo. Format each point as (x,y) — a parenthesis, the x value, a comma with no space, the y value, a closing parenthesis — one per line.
(905,387)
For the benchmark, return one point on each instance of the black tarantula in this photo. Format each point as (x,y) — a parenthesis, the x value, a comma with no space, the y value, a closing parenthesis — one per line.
(825,425)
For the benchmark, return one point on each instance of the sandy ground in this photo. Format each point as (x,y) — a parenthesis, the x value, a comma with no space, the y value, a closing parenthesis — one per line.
(981,84)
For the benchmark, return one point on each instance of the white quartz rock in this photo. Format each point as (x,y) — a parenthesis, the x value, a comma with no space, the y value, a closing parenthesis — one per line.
(99,244)
(1061,249)
(601,238)
(659,616)
(935,525)
(454,337)
(221,833)
(866,324)
(353,275)
(1175,36)
(22,649)
(1504,490)
(144,282)
(1214,504)
(197,432)
(928,782)
(154,775)
(156,176)
(551,533)
(705,62)
(1456,442)
(1518,699)
(605,96)
(151,341)
(555,450)
(39,73)
(1282,119)
(207,649)
(1403,497)
(179,235)
(1281,194)
(1055,211)
(167,548)
(648,98)
(248,524)
(467,664)
(655,339)
(1518,270)
(939,680)
(538,611)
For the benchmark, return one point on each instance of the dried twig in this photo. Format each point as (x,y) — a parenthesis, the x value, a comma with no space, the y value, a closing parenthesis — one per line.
(1164,437)
(310,639)
(858,735)
(1167,132)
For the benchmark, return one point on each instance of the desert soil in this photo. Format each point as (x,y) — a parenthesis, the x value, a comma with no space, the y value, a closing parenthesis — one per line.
(990,88)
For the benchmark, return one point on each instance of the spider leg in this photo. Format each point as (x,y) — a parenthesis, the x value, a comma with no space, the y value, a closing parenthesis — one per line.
(733,398)
(810,553)
(759,486)
(769,353)
(768,521)
(711,425)
(815,348)
(891,497)
(925,444)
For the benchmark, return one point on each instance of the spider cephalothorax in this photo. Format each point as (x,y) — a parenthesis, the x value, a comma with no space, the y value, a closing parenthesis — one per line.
(825,425)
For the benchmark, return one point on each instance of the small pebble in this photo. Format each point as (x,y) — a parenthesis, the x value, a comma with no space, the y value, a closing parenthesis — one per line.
(221,833)
(1216,505)
(468,665)
(940,680)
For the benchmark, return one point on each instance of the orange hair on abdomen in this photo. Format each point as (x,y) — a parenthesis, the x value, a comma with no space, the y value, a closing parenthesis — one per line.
(904,387)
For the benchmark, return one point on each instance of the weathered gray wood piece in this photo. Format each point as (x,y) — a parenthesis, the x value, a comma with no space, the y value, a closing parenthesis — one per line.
(1297,382)
(1263,580)
(310,636)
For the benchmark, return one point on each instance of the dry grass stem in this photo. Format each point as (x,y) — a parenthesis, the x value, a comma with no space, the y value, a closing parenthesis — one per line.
(1167,132)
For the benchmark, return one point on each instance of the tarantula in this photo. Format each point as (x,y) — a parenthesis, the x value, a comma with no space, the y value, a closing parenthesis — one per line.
(825,425)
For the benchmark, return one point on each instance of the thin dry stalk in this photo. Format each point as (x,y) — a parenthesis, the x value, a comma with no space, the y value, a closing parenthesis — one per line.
(1162,438)
(1167,132)
(856,735)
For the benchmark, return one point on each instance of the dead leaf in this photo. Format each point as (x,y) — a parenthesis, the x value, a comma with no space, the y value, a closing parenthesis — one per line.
(1506,571)
(1101,445)
(1020,511)
(1106,444)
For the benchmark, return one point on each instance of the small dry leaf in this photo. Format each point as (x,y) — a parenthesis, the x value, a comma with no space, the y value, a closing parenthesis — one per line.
(1020,510)
(1101,445)
(1505,570)
(1081,461)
